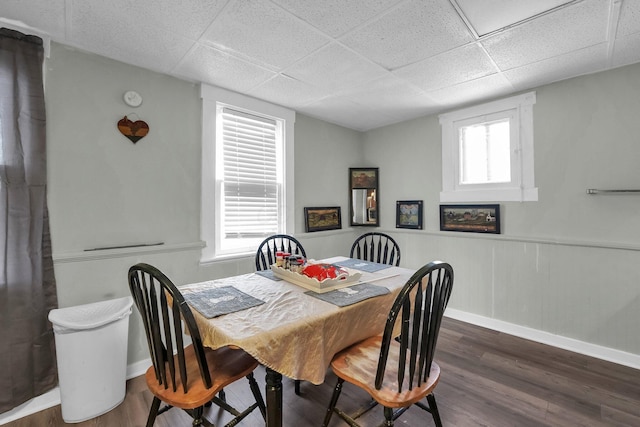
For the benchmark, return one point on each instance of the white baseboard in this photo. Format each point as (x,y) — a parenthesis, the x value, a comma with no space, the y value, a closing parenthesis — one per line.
(600,352)
(52,397)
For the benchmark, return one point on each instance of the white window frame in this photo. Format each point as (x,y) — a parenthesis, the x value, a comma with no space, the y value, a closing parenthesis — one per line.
(212,99)
(519,110)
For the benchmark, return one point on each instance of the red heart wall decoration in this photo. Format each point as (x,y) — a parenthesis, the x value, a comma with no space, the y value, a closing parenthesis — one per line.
(135,131)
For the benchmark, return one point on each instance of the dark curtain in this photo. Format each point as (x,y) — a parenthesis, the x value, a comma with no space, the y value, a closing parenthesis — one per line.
(27,283)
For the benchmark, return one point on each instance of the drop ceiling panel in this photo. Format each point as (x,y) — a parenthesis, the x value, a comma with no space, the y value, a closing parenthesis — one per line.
(474,91)
(341,111)
(361,64)
(261,31)
(468,62)
(629,18)
(207,64)
(45,15)
(558,68)
(626,50)
(186,18)
(413,31)
(284,90)
(571,28)
(392,96)
(336,17)
(334,68)
(487,16)
(99,28)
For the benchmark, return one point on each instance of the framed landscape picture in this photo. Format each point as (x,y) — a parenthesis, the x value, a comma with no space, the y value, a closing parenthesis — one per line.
(471,218)
(319,219)
(409,214)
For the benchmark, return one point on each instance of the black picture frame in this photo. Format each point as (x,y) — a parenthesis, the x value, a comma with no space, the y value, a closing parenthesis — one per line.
(322,218)
(409,214)
(474,218)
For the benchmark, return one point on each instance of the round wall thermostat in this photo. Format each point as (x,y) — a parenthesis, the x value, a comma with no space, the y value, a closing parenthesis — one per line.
(132,98)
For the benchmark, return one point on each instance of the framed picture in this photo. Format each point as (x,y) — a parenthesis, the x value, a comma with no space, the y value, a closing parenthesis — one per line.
(473,218)
(319,219)
(409,214)
(363,177)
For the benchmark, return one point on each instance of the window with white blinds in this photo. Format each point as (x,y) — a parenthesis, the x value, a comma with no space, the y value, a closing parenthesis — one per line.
(249,174)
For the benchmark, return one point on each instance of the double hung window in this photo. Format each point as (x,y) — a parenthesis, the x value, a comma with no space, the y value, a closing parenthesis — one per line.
(246,146)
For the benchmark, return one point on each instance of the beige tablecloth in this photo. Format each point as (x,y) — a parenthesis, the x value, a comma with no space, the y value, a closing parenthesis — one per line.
(293,333)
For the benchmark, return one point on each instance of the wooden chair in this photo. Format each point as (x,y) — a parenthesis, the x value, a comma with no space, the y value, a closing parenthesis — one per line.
(266,253)
(187,377)
(397,368)
(376,247)
(266,256)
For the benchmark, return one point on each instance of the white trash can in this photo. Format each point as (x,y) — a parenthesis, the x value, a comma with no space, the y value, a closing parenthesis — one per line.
(91,349)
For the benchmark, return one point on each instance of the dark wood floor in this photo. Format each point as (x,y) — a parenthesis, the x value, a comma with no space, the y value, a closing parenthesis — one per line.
(488,379)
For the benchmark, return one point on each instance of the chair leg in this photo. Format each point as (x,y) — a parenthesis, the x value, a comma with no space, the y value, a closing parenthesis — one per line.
(153,412)
(296,387)
(388,416)
(197,417)
(434,410)
(222,395)
(255,389)
(334,399)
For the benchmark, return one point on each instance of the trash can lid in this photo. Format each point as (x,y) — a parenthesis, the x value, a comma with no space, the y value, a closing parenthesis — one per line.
(90,316)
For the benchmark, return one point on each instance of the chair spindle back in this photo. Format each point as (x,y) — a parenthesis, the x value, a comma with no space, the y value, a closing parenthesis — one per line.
(161,317)
(419,307)
(266,253)
(376,247)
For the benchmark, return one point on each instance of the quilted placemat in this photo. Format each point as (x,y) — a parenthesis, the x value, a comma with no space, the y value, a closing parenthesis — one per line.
(350,295)
(214,302)
(358,264)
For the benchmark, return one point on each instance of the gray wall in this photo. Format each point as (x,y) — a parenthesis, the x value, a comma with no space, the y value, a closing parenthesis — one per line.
(564,266)
(106,191)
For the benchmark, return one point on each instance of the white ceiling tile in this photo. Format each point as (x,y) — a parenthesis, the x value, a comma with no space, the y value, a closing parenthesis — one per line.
(286,51)
(626,50)
(468,62)
(44,15)
(187,18)
(558,68)
(261,31)
(334,68)
(212,66)
(336,17)
(571,28)
(409,33)
(487,16)
(284,90)
(391,96)
(471,92)
(344,112)
(116,34)
(629,22)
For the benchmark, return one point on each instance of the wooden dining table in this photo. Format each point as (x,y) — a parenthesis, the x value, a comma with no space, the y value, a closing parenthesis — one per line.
(291,332)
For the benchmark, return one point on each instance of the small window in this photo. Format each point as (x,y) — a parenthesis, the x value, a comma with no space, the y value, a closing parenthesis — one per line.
(487,152)
(246,145)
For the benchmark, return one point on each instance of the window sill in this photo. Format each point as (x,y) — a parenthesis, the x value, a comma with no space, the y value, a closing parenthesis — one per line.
(505,195)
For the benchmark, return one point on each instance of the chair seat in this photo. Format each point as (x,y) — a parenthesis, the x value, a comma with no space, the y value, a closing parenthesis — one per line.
(358,365)
(228,364)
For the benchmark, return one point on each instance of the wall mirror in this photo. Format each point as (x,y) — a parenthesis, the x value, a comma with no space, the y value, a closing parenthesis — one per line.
(363,196)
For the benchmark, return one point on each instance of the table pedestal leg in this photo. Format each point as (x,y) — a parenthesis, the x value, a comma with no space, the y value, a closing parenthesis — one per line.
(274,398)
